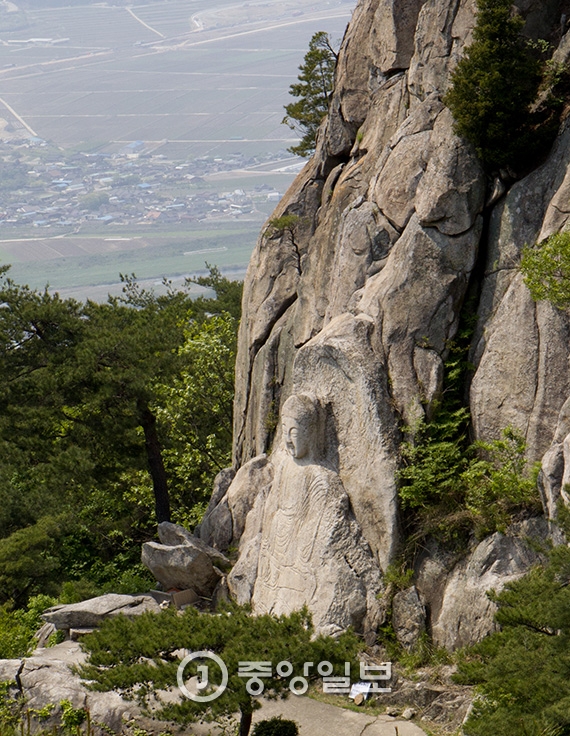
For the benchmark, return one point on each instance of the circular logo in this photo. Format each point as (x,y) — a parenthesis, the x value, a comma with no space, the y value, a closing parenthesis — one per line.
(203,682)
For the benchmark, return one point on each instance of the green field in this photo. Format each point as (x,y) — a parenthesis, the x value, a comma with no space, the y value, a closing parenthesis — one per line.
(151,254)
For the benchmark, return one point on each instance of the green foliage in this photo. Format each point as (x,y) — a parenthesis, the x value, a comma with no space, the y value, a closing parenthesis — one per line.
(137,657)
(72,718)
(494,85)
(456,488)
(285,223)
(423,654)
(523,672)
(227,295)
(450,486)
(313,91)
(10,709)
(17,628)
(433,459)
(275,727)
(94,200)
(12,175)
(105,409)
(18,720)
(399,575)
(497,482)
(29,560)
(195,410)
(546,270)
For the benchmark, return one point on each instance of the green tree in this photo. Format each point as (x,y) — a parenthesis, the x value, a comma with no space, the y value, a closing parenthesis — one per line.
(94,200)
(546,270)
(87,446)
(17,628)
(494,85)
(140,655)
(12,175)
(522,673)
(227,295)
(195,411)
(313,91)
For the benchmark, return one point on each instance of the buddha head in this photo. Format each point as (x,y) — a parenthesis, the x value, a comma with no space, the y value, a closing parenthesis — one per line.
(299,423)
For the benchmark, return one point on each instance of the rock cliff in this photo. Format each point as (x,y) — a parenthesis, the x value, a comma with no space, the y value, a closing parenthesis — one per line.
(351,311)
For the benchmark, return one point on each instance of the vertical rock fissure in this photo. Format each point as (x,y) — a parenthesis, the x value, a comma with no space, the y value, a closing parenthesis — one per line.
(254,350)
(475,285)
(18,676)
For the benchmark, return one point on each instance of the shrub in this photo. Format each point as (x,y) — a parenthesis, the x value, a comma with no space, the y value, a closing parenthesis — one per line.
(497,482)
(17,628)
(455,488)
(546,270)
(275,727)
(494,85)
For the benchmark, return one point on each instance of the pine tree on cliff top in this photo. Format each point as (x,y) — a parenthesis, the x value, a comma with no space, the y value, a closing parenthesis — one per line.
(313,89)
(494,85)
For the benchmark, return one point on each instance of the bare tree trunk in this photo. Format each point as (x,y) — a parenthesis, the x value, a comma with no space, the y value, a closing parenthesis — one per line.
(245,722)
(155,463)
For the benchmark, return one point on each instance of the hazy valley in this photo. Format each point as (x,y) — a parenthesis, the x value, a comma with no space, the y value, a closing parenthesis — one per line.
(145,139)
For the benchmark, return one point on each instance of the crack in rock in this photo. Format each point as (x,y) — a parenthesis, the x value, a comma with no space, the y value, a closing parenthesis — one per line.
(369,724)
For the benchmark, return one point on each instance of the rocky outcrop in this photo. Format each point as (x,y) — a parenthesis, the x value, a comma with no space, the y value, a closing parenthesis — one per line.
(396,221)
(521,348)
(182,561)
(302,543)
(408,617)
(454,592)
(46,679)
(90,613)
(49,676)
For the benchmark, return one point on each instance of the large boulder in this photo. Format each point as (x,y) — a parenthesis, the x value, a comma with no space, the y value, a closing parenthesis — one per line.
(455,595)
(408,617)
(183,561)
(224,521)
(49,676)
(46,678)
(90,613)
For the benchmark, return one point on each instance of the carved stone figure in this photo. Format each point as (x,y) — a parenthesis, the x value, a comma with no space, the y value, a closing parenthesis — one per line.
(312,551)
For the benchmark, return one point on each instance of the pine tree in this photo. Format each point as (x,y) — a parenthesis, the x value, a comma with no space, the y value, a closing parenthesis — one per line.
(314,90)
(523,672)
(141,656)
(494,85)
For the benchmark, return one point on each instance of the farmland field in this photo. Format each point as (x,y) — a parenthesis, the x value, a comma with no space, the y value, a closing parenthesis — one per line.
(75,263)
(205,87)
(185,80)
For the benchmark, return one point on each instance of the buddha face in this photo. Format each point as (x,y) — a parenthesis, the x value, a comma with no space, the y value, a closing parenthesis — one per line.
(296,437)
(299,425)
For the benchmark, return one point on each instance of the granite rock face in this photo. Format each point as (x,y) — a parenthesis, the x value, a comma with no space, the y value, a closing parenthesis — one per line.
(49,675)
(455,593)
(397,220)
(408,617)
(46,678)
